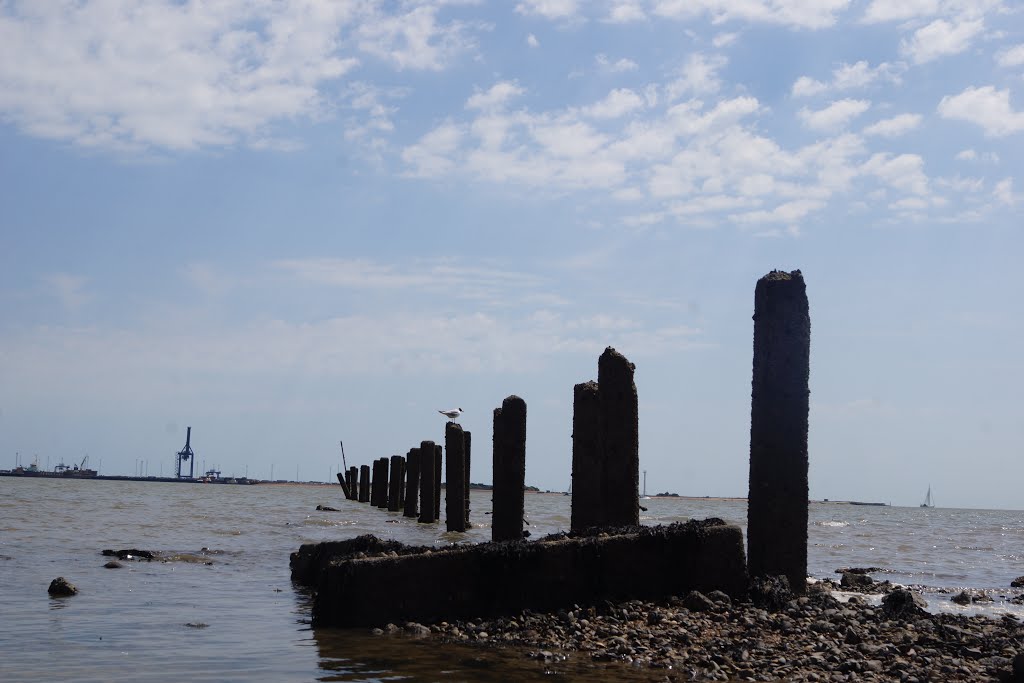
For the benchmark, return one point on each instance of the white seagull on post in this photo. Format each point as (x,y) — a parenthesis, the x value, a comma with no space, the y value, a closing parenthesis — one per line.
(451,414)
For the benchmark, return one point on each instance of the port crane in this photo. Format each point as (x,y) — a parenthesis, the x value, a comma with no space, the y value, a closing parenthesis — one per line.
(186,455)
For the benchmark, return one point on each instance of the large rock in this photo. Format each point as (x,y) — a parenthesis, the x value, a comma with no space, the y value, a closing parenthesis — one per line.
(903,604)
(61,587)
(1018,582)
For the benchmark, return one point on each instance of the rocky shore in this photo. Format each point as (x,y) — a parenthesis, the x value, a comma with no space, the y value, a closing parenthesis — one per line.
(776,637)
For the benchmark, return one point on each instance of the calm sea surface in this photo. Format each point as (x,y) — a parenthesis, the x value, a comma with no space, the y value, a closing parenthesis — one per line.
(240,619)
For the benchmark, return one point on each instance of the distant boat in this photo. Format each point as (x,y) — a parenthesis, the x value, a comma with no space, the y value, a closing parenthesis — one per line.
(928,499)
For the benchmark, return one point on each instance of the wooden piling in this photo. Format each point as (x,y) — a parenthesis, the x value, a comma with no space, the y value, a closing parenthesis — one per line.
(437,481)
(455,477)
(395,486)
(777,508)
(469,444)
(364,483)
(509,470)
(427,482)
(380,483)
(412,482)
(606,447)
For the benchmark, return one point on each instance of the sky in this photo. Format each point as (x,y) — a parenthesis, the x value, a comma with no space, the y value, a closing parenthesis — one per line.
(292,224)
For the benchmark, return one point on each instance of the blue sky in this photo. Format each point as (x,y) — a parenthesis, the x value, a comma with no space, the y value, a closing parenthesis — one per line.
(287,224)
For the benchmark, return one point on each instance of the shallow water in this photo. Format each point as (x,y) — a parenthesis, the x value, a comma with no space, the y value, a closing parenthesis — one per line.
(240,618)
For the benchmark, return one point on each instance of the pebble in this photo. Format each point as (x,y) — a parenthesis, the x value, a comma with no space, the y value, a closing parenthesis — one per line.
(812,638)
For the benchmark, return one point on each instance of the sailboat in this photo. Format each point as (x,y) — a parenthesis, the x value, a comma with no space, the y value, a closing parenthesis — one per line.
(928,499)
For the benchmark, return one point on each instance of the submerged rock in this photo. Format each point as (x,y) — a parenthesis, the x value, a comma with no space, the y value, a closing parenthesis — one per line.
(1018,582)
(130,554)
(113,564)
(61,587)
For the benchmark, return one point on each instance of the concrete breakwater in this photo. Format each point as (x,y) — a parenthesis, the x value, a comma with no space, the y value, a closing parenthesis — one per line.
(369,582)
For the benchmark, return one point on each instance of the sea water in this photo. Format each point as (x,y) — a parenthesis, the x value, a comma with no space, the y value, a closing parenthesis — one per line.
(225,608)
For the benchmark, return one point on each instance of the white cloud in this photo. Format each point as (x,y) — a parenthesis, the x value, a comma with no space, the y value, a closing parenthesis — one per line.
(495,97)
(625,11)
(618,103)
(432,155)
(1013,56)
(834,116)
(972,155)
(888,10)
(181,76)
(847,77)
(549,9)
(617,67)
(532,41)
(698,76)
(724,39)
(894,126)
(940,38)
(813,14)
(1003,192)
(903,172)
(806,86)
(985,107)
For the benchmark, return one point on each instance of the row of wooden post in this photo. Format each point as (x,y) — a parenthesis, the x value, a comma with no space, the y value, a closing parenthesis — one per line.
(605,448)
(398,484)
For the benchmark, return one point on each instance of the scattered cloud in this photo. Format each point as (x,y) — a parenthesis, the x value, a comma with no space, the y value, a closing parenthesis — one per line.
(972,155)
(939,39)
(625,11)
(817,14)
(887,10)
(894,126)
(495,97)
(618,103)
(985,107)
(549,9)
(1010,57)
(724,39)
(68,289)
(847,77)
(532,41)
(835,115)
(1003,192)
(105,75)
(698,76)
(617,67)
(903,172)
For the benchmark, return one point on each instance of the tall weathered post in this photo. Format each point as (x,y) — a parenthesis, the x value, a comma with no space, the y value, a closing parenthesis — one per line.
(427,456)
(437,481)
(587,462)
(412,482)
(353,477)
(364,483)
(777,507)
(509,470)
(469,444)
(395,488)
(401,484)
(620,420)
(380,483)
(606,447)
(455,477)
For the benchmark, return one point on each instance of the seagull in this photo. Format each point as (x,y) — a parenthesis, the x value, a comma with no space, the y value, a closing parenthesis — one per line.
(451,414)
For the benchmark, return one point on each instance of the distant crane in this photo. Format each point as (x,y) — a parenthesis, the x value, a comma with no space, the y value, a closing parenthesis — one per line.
(186,454)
